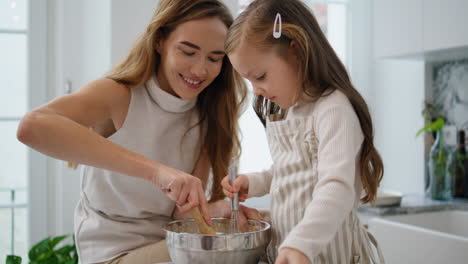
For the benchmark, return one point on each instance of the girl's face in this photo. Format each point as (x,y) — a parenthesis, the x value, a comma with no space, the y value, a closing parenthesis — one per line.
(272,76)
(191,57)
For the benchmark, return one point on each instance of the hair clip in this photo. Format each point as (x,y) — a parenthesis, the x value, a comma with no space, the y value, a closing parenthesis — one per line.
(276,31)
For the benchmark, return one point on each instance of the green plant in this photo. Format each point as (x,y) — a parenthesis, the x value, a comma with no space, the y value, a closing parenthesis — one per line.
(431,111)
(440,184)
(13,259)
(44,252)
(435,126)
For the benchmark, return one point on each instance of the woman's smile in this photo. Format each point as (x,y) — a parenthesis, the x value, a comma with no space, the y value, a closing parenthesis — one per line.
(191,83)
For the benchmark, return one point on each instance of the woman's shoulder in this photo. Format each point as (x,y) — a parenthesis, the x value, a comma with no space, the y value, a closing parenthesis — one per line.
(113,91)
(107,84)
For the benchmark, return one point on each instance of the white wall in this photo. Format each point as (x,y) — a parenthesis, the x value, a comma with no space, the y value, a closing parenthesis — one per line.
(128,20)
(394,91)
(233,6)
(360,48)
(399,94)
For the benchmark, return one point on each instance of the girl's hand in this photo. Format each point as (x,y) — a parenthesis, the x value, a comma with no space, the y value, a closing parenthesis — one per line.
(186,190)
(291,256)
(241,186)
(222,208)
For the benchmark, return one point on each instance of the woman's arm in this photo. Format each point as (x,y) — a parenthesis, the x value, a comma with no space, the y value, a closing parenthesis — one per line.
(203,167)
(60,129)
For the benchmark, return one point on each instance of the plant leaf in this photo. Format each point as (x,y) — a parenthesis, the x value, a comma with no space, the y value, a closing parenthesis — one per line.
(54,241)
(65,250)
(40,251)
(426,128)
(12,259)
(44,253)
(434,126)
(51,260)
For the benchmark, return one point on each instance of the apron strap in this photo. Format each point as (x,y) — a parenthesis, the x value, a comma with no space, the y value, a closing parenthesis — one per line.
(374,242)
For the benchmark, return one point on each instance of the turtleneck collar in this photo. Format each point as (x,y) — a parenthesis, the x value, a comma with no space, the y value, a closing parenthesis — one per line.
(167,101)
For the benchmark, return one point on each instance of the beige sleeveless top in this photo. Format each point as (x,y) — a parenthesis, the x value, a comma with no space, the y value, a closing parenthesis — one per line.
(117,213)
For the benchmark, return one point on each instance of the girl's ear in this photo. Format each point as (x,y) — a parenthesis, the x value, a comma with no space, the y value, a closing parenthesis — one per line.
(293,53)
(294,48)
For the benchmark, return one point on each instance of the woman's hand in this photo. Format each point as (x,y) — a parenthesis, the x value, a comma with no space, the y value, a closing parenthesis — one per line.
(241,186)
(186,190)
(291,256)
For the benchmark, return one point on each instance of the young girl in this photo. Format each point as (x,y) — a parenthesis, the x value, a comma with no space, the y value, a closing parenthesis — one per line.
(168,110)
(320,134)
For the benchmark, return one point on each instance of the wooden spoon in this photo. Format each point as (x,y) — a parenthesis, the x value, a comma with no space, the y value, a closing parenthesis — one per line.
(200,221)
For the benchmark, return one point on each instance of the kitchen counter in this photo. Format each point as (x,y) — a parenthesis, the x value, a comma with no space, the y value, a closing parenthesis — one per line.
(411,204)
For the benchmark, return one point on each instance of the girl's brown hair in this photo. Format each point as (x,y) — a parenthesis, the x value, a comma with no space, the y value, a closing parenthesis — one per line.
(219,104)
(321,70)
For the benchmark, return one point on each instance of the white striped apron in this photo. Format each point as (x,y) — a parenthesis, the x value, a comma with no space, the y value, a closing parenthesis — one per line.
(294,149)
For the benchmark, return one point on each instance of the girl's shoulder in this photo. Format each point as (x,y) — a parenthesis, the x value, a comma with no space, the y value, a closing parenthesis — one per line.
(310,109)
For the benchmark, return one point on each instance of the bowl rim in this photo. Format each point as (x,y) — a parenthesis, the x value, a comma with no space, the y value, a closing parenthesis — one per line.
(266,228)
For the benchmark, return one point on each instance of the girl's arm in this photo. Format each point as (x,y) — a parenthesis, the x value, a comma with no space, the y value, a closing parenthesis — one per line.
(340,138)
(259,183)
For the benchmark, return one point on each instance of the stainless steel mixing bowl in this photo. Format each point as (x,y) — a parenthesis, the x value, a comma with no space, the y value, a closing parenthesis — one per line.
(187,245)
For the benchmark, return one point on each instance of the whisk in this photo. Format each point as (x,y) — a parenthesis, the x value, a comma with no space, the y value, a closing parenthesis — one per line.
(234,202)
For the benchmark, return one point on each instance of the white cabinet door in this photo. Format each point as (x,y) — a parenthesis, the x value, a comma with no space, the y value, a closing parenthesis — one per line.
(398,27)
(445,24)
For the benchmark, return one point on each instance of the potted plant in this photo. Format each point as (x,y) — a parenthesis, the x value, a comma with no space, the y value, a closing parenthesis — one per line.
(44,252)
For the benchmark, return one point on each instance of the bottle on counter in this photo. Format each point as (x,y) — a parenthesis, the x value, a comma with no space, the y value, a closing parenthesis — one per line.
(456,168)
(440,183)
(465,166)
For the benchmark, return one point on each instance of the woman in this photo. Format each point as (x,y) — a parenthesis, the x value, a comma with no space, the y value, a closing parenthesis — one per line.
(169,110)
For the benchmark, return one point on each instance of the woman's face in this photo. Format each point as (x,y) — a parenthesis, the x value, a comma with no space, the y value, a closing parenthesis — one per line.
(191,57)
(272,76)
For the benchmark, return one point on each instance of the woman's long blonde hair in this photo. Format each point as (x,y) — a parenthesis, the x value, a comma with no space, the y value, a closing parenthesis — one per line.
(320,68)
(219,104)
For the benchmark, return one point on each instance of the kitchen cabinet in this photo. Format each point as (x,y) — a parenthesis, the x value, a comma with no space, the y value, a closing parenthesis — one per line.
(445,24)
(406,28)
(397,27)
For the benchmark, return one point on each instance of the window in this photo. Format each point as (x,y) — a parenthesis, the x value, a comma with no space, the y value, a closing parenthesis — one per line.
(332,16)
(13,105)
